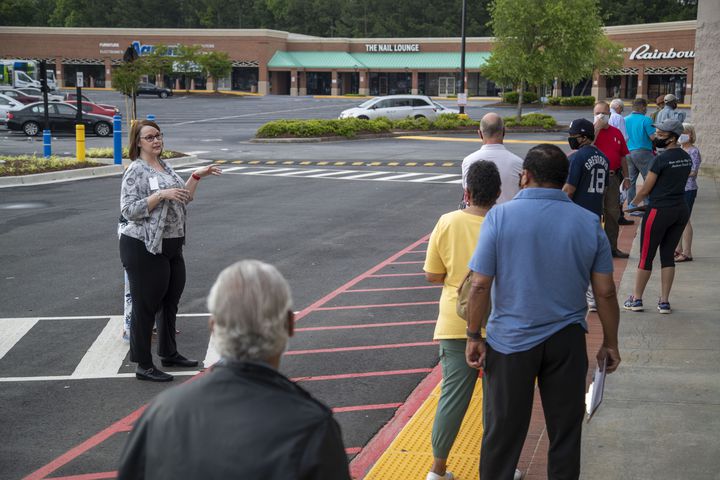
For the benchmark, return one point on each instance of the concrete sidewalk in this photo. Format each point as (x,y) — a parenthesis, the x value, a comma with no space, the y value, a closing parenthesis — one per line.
(660,418)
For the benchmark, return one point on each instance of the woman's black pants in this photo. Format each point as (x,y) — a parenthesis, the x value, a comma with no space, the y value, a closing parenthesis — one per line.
(156,283)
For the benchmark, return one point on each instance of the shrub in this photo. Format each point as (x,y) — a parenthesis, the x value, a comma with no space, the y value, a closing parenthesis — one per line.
(30,164)
(554,100)
(585,101)
(512,97)
(532,120)
(346,127)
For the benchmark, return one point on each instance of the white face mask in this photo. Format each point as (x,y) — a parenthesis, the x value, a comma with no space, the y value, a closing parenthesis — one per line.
(601,118)
(684,138)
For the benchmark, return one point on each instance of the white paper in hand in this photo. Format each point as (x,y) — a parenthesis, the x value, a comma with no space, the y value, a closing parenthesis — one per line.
(623,194)
(594,396)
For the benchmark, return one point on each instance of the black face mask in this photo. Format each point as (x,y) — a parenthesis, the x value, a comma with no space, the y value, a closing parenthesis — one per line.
(660,142)
(574,142)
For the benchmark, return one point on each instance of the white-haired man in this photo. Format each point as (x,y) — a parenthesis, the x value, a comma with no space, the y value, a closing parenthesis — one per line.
(616,119)
(243,419)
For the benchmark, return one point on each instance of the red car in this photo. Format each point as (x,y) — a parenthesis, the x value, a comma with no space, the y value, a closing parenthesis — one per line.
(19,96)
(89,107)
(72,98)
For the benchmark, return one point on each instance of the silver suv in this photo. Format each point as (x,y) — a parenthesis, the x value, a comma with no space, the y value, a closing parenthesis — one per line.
(397,107)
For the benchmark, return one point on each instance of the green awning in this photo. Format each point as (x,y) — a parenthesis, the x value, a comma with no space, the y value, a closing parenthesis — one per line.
(377,61)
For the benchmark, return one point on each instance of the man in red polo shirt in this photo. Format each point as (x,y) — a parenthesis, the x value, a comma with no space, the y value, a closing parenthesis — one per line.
(610,141)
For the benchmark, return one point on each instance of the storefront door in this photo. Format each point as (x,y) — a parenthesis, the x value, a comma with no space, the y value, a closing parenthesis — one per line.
(383,85)
(446,86)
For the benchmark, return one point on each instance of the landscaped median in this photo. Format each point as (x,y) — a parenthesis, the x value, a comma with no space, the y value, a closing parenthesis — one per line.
(354,128)
(31,169)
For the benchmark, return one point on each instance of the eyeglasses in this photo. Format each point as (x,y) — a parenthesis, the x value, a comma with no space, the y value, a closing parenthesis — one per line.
(152,138)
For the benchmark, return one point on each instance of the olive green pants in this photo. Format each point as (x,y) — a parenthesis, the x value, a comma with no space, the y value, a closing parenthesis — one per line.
(456,392)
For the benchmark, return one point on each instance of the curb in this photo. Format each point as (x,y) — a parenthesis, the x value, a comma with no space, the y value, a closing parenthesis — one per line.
(80,173)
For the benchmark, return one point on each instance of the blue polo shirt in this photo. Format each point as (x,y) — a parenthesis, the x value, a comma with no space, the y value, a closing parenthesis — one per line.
(639,128)
(541,266)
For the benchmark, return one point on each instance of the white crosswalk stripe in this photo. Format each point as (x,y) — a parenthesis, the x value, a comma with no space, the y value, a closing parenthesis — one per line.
(331,174)
(106,354)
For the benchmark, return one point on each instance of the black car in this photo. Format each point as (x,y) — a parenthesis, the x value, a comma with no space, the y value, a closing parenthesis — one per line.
(145,88)
(31,119)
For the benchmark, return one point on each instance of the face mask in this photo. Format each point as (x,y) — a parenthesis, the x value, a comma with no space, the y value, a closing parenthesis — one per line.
(574,142)
(601,117)
(660,142)
(684,138)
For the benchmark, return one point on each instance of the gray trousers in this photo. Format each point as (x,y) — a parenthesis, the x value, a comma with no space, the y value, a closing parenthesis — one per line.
(638,164)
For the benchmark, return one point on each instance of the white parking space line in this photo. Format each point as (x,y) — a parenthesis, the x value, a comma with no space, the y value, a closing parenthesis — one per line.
(270,171)
(106,354)
(12,330)
(301,172)
(260,114)
(65,378)
(328,174)
(436,177)
(232,169)
(365,175)
(459,180)
(212,356)
(397,177)
(198,152)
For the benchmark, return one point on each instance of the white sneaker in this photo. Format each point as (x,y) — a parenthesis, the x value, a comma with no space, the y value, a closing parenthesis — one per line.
(518,475)
(435,476)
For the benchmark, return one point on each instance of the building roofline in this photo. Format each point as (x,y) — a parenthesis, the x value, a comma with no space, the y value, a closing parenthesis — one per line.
(301,38)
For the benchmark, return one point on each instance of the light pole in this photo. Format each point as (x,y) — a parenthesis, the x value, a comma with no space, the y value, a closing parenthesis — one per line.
(462,61)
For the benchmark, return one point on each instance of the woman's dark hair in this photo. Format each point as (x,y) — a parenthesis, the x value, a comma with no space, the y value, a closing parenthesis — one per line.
(134,147)
(483,183)
(547,164)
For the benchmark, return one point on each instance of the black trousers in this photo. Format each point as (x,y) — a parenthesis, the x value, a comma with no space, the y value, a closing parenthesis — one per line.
(156,283)
(662,227)
(560,365)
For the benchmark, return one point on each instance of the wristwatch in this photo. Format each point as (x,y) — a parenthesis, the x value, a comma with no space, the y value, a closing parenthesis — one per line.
(475,336)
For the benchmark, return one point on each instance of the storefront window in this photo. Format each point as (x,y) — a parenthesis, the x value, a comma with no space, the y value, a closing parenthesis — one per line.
(93,75)
(245,79)
(390,83)
(319,83)
(664,84)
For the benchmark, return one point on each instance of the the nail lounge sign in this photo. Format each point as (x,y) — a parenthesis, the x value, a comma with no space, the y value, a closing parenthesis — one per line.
(392,47)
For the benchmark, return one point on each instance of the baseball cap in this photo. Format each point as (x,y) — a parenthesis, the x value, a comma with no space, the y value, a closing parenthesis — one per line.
(670,98)
(582,127)
(672,126)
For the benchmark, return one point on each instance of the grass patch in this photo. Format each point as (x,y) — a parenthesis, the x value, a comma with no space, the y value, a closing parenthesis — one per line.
(108,153)
(30,164)
(540,120)
(350,127)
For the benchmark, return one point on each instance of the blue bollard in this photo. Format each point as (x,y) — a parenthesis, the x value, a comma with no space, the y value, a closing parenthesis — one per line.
(150,117)
(47,143)
(117,139)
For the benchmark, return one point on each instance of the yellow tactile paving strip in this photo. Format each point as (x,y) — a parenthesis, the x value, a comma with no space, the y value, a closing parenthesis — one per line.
(409,456)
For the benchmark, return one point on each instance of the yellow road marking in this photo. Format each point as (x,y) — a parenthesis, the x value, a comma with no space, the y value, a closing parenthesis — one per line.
(288,162)
(393,164)
(220,161)
(254,162)
(411,164)
(448,164)
(305,163)
(236,162)
(429,164)
(340,163)
(271,162)
(357,163)
(375,164)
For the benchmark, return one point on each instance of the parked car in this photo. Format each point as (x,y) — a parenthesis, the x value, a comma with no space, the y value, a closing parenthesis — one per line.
(89,107)
(145,88)
(36,92)
(396,107)
(31,118)
(19,96)
(8,104)
(72,99)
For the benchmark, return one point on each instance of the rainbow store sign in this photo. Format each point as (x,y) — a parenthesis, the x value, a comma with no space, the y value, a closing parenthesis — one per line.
(643,53)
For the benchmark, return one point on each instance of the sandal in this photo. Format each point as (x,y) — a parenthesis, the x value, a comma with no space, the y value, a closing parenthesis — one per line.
(682,258)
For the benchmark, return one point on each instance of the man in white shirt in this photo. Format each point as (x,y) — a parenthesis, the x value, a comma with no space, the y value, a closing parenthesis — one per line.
(616,118)
(492,132)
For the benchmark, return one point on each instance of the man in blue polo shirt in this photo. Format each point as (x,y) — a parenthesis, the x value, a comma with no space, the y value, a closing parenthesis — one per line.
(538,270)
(640,134)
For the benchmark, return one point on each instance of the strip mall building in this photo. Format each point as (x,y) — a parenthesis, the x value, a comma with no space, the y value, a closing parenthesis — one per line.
(659,59)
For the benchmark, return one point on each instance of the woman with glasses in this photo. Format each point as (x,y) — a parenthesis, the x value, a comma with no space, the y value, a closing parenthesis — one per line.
(153,200)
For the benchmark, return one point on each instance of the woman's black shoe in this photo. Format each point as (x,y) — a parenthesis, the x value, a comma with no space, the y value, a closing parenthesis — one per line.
(178,360)
(152,374)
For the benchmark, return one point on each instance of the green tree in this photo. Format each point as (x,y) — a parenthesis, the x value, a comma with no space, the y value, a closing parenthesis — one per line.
(186,62)
(125,80)
(541,39)
(215,65)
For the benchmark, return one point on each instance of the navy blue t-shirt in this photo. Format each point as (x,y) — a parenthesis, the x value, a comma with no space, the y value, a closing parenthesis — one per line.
(589,175)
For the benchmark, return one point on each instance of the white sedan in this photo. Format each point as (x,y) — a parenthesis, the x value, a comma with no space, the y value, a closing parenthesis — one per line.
(397,107)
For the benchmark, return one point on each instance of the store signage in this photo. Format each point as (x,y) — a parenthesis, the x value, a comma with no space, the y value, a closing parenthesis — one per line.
(392,47)
(644,52)
(114,47)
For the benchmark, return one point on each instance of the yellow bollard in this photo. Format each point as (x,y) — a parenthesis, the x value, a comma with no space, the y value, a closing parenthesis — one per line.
(80,142)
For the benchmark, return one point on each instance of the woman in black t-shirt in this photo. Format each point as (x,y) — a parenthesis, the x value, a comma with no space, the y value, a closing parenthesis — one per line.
(665,217)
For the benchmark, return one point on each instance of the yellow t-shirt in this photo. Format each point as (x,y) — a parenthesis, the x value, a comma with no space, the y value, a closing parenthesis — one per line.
(451,245)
